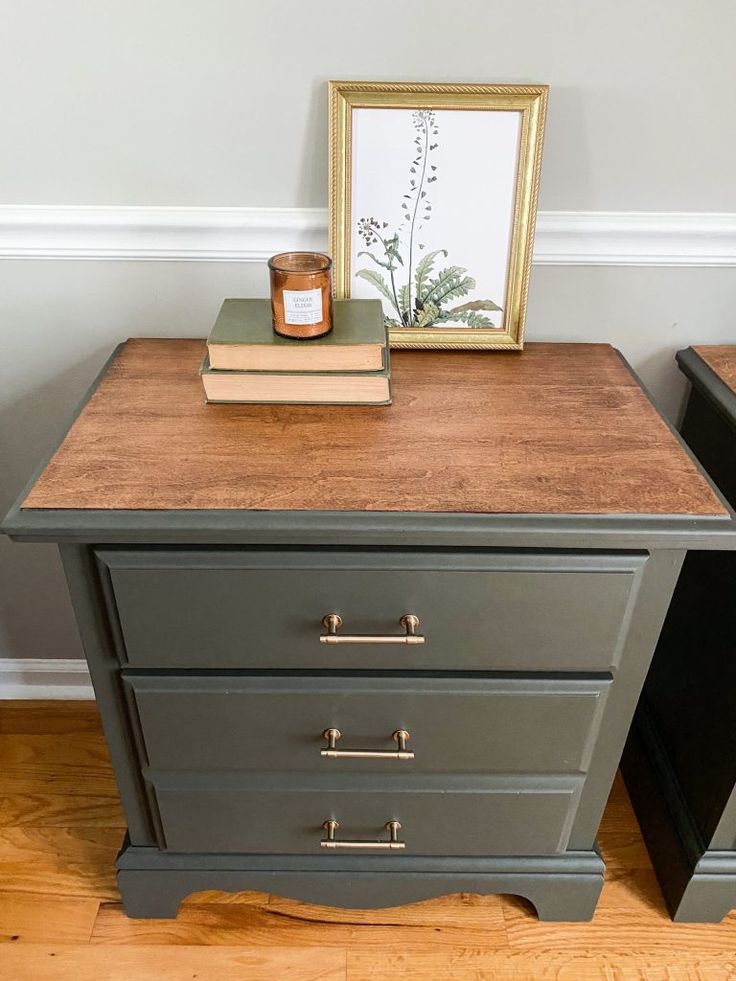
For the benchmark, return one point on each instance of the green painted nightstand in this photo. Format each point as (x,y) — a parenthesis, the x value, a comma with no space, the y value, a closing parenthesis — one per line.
(530,510)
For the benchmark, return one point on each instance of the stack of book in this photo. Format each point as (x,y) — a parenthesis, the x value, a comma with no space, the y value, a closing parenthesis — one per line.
(248,362)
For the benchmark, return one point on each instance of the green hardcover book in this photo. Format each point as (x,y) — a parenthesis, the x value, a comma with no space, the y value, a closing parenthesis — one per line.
(243,339)
(298,387)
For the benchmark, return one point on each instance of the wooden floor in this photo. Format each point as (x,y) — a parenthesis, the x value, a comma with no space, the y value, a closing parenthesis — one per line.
(61,826)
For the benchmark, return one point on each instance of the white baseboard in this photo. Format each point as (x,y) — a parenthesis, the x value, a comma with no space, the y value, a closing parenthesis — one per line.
(617,238)
(44,678)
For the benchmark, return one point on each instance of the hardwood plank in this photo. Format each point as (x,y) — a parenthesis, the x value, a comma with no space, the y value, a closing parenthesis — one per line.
(622,846)
(619,836)
(632,888)
(465,963)
(54,780)
(619,793)
(443,922)
(443,912)
(31,918)
(82,750)
(643,929)
(60,861)
(720,358)
(35,962)
(213,897)
(44,717)
(559,428)
(45,810)
(63,759)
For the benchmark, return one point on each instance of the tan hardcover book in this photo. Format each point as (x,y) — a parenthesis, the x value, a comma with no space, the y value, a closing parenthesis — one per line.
(243,339)
(306,387)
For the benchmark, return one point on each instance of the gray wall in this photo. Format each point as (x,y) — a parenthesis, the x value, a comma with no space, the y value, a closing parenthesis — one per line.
(223,103)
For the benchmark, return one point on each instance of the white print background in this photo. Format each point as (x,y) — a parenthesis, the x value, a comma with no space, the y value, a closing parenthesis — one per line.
(472,198)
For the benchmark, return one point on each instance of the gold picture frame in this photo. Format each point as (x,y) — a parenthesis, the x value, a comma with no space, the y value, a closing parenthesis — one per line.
(423,100)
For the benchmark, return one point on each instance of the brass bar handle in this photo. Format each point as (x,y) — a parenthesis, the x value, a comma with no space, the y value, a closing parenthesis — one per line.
(400,737)
(333,621)
(393,843)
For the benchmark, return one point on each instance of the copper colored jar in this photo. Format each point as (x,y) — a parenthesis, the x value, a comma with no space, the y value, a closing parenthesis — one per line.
(301,294)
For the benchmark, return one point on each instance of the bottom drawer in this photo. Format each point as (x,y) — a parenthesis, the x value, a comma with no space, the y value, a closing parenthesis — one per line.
(497,816)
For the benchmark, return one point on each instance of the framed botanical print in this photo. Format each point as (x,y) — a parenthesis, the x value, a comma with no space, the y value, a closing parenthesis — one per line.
(433,197)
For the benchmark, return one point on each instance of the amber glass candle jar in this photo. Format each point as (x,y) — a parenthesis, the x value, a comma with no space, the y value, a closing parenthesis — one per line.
(301,294)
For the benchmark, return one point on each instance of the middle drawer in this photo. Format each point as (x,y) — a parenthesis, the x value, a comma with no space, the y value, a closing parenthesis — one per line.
(468,725)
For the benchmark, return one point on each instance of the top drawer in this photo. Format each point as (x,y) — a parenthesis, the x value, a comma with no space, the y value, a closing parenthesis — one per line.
(479,610)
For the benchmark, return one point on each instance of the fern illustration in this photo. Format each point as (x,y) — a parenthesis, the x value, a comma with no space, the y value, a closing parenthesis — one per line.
(420,301)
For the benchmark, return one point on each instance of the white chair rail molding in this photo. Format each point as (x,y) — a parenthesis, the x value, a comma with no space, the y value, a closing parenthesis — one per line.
(203,234)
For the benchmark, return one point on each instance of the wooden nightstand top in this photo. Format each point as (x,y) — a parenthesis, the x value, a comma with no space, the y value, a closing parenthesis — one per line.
(559,428)
(721,359)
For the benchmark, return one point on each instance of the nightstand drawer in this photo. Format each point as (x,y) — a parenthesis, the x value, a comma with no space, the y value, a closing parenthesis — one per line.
(479,610)
(454,726)
(472,725)
(441,816)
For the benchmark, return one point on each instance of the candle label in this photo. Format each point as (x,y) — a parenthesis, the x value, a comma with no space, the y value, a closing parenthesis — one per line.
(302,306)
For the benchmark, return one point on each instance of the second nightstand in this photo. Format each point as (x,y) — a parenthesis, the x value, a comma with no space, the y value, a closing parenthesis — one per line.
(680,762)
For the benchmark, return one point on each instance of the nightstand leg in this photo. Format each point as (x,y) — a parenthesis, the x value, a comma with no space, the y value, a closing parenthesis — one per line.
(148,895)
(566,898)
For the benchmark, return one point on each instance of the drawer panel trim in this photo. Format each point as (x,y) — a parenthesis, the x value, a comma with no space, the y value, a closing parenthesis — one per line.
(251,609)
(468,725)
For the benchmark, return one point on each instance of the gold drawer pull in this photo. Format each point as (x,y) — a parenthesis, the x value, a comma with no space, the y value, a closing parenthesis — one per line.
(400,736)
(333,621)
(393,828)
